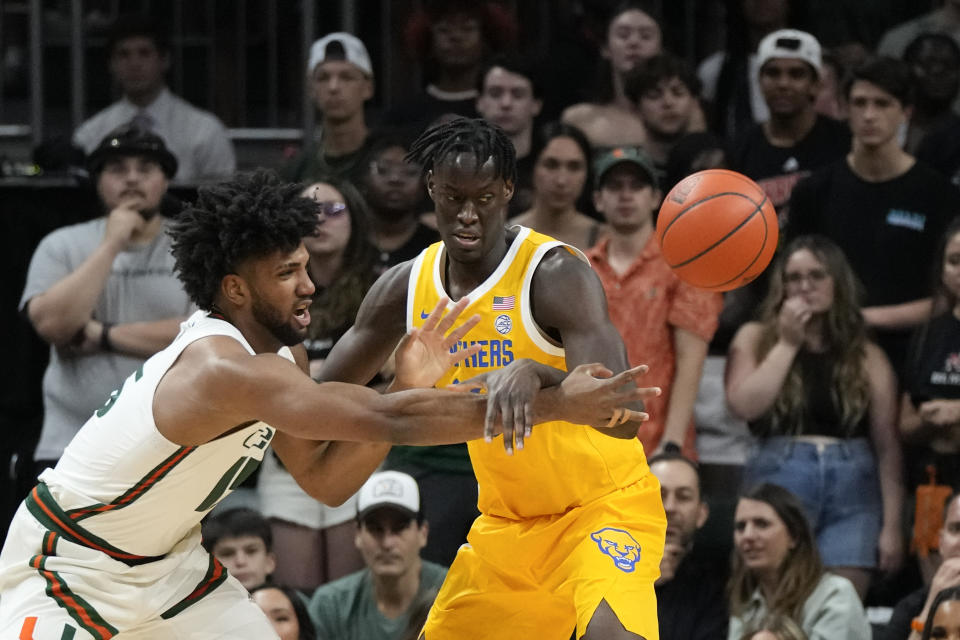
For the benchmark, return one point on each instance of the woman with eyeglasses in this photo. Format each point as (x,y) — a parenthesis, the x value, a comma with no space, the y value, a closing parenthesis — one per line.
(820,397)
(316,541)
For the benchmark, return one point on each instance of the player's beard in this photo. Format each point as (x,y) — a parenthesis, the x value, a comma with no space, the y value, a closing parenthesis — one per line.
(273,320)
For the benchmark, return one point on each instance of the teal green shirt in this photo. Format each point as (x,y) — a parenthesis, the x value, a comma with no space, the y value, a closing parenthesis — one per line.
(346,609)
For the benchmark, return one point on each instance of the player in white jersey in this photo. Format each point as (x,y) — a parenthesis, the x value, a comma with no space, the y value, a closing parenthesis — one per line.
(107,545)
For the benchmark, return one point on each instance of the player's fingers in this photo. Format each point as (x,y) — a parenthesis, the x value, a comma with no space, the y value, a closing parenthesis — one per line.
(506,416)
(519,423)
(490,420)
(527,419)
(476,383)
(634,416)
(615,418)
(434,318)
(594,369)
(639,393)
(457,334)
(447,321)
(629,374)
(462,354)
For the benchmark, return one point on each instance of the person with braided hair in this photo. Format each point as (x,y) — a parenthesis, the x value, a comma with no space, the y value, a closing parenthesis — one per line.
(571,528)
(108,542)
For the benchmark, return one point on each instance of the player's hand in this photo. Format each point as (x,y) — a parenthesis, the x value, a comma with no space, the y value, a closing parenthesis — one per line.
(511,392)
(592,395)
(889,549)
(940,413)
(795,313)
(424,354)
(124,220)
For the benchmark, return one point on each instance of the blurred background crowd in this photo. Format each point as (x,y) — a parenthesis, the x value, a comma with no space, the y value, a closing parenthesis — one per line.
(808,437)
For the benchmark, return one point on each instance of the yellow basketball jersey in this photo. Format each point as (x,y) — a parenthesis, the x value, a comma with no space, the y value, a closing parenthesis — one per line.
(561,465)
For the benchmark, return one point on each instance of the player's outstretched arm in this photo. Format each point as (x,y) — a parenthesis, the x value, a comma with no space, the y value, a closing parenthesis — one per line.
(585,329)
(218,386)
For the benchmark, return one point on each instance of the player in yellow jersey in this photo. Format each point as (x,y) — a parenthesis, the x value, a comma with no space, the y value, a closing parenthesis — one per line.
(571,528)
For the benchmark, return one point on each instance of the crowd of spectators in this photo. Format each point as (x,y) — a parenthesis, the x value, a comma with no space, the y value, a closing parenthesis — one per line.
(799,414)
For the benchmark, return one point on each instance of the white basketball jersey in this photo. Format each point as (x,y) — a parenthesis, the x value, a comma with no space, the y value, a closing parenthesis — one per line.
(123,488)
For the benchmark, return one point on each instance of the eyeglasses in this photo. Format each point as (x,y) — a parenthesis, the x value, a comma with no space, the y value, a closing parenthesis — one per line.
(406,171)
(814,276)
(332,209)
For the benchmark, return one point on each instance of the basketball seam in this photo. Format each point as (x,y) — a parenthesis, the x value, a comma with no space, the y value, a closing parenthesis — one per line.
(757,209)
(766,234)
(701,201)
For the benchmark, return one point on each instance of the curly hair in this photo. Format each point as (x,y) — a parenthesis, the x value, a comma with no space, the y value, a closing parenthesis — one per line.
(249,217)
(845,334)
(466,135)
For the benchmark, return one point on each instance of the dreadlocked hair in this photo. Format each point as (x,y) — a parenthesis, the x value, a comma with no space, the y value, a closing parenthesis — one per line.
(251,216)
(483,140)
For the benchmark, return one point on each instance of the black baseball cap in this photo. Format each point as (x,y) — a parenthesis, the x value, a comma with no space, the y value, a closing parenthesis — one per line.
(130,140)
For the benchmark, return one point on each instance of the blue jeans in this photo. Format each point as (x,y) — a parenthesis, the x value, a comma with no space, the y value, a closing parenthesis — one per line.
(839,489)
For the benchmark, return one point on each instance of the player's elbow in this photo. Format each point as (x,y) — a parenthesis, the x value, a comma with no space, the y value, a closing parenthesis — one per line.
(328,494)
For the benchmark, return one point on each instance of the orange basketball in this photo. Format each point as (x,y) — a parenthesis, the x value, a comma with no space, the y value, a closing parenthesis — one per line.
(717,229)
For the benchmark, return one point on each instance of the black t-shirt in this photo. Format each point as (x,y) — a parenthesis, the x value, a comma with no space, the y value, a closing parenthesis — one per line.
(692,606)
(888,230)
(422,238)
(933,365)
(940,148)
(779,169)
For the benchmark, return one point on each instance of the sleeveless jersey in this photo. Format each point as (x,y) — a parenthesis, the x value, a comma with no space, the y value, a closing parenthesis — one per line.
(122,488)
(561,465)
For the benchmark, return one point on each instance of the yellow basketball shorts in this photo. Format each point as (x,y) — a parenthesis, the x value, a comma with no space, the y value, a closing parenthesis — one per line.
(541,577)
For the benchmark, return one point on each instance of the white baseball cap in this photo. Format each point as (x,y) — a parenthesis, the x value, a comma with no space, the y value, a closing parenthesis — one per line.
(791,44)
(389,489)
(353,51)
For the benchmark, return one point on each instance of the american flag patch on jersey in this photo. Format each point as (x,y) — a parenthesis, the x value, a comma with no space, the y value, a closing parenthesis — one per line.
(504,303)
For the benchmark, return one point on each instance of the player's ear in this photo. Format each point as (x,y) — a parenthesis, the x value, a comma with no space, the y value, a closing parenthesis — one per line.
(234,290)
(508,188)
(431,185)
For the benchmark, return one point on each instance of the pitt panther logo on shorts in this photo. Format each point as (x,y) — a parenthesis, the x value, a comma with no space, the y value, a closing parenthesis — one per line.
(620,546)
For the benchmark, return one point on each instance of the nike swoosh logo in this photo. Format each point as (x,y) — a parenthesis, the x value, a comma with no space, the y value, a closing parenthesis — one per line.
(424,315)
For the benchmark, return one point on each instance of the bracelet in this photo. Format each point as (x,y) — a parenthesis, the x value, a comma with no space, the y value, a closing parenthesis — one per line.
(917,625)
(105,344)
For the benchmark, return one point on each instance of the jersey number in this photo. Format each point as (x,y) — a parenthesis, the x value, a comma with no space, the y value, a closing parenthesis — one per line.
(102,411)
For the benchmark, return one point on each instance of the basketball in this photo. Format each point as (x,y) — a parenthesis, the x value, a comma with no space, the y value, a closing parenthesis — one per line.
(717,229)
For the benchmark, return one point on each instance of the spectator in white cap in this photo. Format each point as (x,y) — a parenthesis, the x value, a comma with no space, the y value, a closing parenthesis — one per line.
(340,80)
(795,140)
(377,602)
